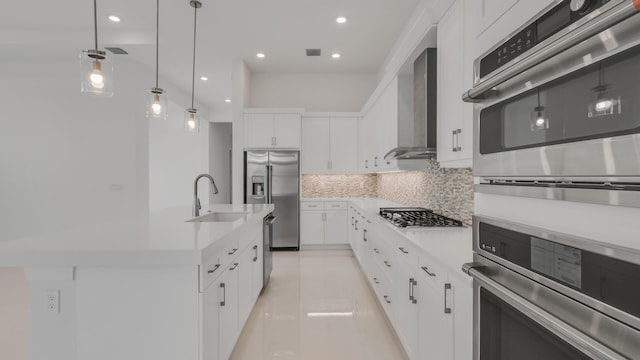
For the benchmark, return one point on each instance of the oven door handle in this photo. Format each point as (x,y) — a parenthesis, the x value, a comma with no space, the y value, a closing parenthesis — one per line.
(485,90)
(558,327)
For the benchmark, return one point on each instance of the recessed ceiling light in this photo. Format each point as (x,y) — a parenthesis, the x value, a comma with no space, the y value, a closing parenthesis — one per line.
(335,55)
(260,55)
(114,18)
(341,20)
(227,100)
(204,78)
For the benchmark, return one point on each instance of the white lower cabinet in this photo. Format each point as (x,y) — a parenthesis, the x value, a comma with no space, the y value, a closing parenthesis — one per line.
(228,325)
(435,325)
(210,321)
(428,305)
(406,322)
(324,223)
(233,281)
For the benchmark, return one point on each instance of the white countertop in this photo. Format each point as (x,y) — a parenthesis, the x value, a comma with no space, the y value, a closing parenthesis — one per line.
(452,247)
(159,238)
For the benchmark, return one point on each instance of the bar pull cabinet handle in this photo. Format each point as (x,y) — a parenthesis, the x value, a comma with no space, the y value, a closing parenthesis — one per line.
(447,289)
(364,235)
(269,183)
(403,250)
(453,141)
(387,263)
(375,280)
(458,147)
(255,248)
(366,164)
(375,161)
(235,265)
(411,290)
(412,294)
(426,269)
(386,298)
(352,223)
(232,251)
(356,225)
(211,271)
(376,251)
(224,294)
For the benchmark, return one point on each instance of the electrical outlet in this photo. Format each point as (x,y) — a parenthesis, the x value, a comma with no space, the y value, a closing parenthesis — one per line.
(52,301)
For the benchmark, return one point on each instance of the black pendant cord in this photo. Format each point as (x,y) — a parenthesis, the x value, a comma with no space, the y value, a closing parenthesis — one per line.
(95,22)
(538,97)
(157,37)
(193,72)
(601,74)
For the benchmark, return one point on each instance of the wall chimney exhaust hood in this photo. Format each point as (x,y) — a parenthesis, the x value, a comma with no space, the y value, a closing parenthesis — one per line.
(421,128)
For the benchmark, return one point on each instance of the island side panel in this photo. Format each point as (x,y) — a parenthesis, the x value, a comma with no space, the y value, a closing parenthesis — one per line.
(138,313)
(53,329)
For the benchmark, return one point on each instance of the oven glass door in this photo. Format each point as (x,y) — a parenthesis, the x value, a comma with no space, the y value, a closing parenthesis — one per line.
(508,334)
(599,101)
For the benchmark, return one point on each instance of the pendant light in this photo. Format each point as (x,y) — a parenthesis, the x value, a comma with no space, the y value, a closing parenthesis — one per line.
(191,120)
(96,69)
(539,119)
(604,104)
(157,99)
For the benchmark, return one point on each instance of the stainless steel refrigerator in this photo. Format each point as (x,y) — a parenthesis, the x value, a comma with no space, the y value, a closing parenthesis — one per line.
(273,177)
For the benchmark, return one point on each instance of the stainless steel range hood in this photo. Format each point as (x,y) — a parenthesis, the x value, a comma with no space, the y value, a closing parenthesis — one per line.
(424,122)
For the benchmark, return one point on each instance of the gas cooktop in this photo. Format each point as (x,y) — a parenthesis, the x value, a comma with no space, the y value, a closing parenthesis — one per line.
(406,217)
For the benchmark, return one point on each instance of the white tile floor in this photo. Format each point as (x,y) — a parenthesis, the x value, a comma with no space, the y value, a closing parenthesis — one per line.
(316,306)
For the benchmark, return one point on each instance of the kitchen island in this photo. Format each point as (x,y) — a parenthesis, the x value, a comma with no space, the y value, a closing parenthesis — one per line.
(154,287)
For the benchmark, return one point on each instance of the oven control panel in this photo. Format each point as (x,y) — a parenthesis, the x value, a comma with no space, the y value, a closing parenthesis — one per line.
(554,20)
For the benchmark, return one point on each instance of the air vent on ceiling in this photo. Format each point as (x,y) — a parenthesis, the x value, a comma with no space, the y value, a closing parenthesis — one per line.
(117,50)
(314,52)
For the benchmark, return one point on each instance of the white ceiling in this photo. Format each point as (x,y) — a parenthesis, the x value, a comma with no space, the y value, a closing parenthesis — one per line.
(228,30)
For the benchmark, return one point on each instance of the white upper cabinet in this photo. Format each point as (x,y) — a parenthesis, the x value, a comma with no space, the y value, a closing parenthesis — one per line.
(379,129)
(315,154)
(494,20)
(344,144)
(455,118)
(489,11)
(271,130)
(329,145)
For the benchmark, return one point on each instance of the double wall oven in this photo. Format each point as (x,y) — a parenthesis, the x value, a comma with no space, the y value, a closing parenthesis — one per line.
(557,148)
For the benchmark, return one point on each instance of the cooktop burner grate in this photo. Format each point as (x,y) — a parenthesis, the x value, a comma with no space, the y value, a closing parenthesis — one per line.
(417,217)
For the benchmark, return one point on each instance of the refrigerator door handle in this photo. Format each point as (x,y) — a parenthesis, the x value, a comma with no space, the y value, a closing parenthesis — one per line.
(269,181)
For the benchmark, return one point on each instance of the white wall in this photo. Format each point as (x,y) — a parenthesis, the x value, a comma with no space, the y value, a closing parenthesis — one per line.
(176,158)
(68,159)
(312,92)
(241,99)
(220,146)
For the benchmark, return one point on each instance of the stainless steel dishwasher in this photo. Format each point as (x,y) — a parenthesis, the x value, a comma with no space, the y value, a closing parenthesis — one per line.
(267,237)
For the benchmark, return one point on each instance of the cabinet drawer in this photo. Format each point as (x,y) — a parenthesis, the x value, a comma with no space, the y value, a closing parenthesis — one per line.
(211,270)
(312,205)
(335,205)
(433,273)
(407,253)
(231,250)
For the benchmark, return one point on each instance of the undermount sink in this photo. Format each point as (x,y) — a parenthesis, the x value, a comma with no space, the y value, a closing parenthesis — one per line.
(218,216)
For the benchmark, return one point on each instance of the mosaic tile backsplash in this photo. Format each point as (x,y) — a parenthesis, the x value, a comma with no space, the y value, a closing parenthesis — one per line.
(448,191)
(330,186)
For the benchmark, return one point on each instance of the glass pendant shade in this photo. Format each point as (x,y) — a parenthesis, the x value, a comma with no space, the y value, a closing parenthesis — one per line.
(96,71)
(539,119)
(191,121)
(156,106)
(604,104)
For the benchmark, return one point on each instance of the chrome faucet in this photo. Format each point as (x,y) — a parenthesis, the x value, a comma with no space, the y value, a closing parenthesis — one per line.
(196,201)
